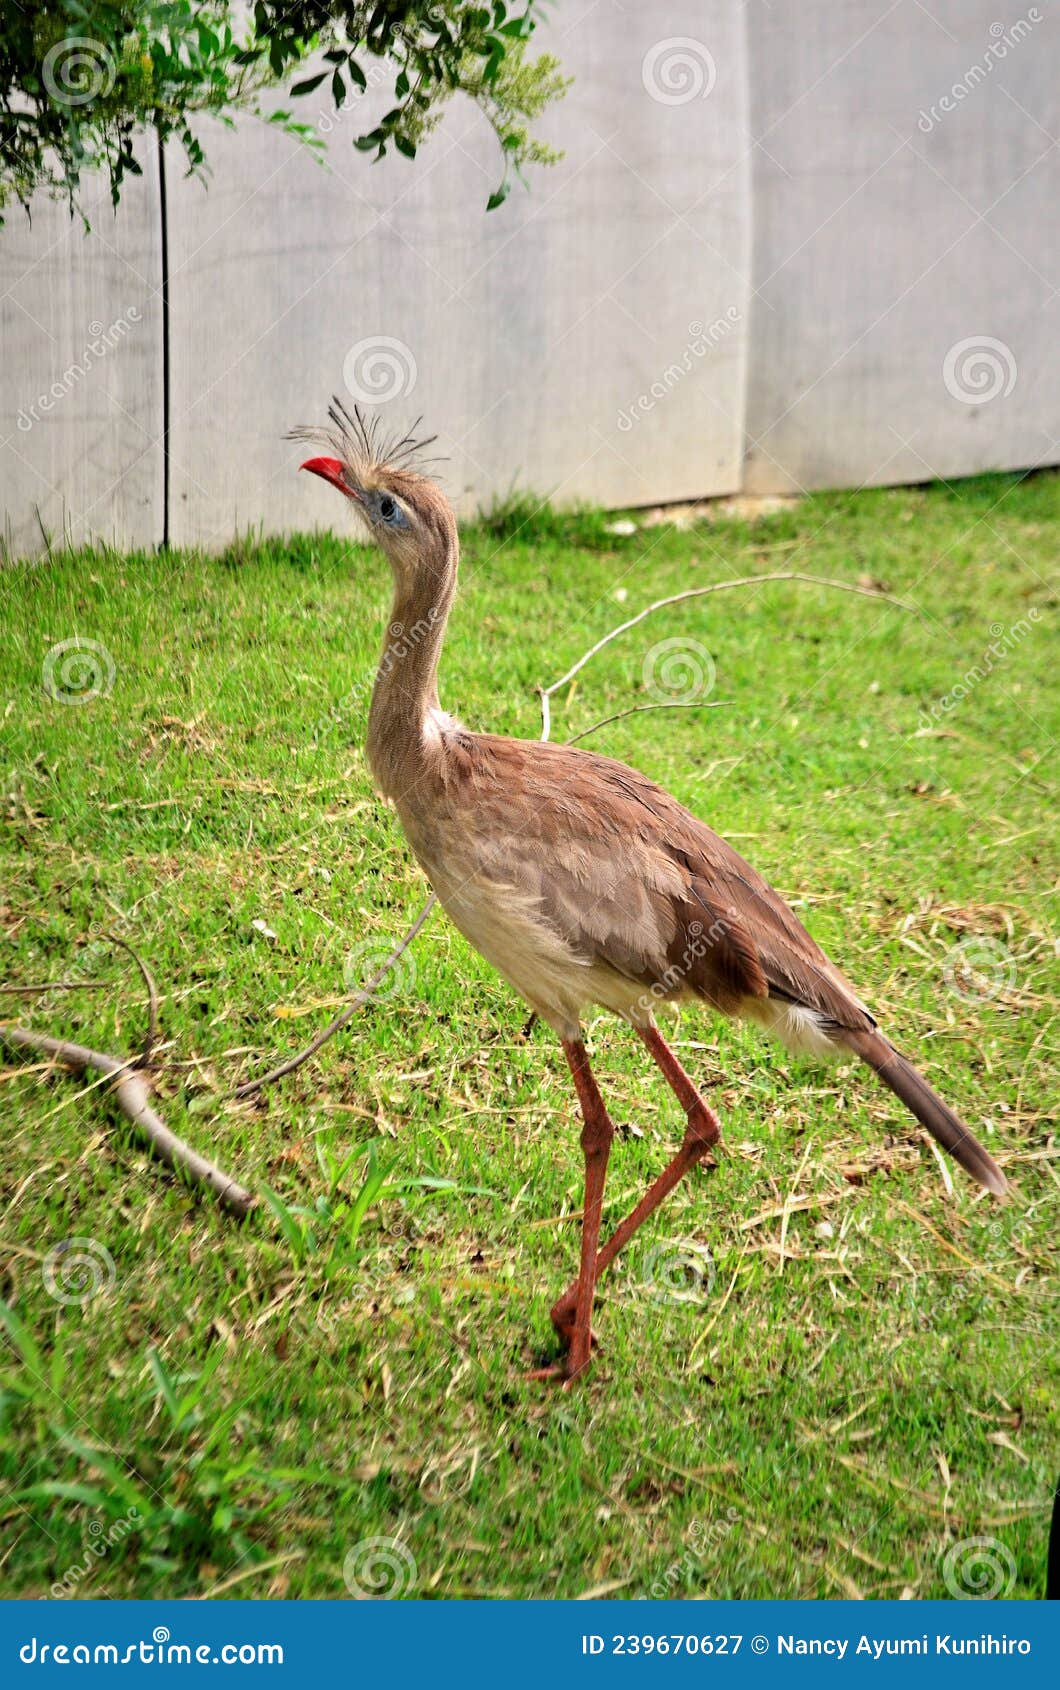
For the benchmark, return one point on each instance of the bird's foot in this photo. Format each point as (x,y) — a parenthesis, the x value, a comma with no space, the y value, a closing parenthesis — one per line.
(555,1370)
(570,1366)
(562,1372)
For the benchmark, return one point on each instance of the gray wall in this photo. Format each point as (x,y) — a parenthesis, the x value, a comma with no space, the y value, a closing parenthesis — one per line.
(887,235)
(763,263)
(81,373)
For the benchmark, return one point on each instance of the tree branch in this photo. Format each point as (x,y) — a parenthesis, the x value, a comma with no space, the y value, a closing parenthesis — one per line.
(130,1094)
(151,1036)
(636,709)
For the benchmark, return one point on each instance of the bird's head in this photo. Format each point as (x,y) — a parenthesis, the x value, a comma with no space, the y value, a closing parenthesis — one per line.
(405,512)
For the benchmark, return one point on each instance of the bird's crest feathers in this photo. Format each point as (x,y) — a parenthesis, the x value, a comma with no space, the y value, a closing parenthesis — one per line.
(373,456)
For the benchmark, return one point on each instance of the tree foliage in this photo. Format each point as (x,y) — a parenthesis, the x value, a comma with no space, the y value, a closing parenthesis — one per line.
(81,79)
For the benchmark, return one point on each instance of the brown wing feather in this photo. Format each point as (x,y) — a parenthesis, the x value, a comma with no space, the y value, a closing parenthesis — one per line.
(628,875)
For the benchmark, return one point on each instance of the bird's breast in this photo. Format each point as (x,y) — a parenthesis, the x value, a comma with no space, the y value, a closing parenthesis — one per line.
(499,913)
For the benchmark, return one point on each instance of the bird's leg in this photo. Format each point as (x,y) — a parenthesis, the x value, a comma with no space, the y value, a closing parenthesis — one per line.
(597,1133)
(703,1130)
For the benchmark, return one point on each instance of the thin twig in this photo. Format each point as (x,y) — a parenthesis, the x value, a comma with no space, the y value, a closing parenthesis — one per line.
(130,1094)
(249,1087)
(56,986)
(696,593)
(635,710)
(151,1036)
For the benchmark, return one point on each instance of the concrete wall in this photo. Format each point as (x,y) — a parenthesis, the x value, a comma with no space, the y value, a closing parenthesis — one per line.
(905,255)
(752,268)
(81,373)
(520,335)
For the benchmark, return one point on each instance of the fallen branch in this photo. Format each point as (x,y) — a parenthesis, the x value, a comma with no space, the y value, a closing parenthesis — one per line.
(151,1036)
(130,1094)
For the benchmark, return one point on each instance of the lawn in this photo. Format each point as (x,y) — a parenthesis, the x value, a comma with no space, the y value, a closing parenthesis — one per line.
(825,1366)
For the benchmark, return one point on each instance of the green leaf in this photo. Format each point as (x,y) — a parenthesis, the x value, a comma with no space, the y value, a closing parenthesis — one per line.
(309,83)
(428,1182)
(499,195)
(166,1387)
(374,1180)
(294,1234)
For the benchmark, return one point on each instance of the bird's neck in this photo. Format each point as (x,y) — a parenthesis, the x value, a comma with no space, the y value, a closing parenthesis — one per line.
(404,738)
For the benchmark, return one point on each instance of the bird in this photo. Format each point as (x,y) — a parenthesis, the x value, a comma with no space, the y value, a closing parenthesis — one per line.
(585,884)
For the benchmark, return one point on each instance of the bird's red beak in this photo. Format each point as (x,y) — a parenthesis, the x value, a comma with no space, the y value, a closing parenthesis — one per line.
(330,469)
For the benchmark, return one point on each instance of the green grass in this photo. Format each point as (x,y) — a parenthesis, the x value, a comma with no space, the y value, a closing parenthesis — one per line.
(834,1405)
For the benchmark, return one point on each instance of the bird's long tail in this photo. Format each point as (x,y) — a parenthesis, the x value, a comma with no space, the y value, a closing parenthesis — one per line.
(928,1107)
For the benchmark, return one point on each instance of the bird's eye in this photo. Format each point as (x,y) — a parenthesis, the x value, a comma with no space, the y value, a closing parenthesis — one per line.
(387,507)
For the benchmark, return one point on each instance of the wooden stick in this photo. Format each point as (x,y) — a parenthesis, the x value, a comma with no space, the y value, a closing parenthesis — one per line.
(636,709)
(151,1036)
(696,593)
(249,1087)
(130,1094)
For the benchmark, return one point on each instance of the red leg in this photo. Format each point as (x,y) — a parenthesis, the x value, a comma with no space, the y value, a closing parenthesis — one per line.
(575,1326)
(703,1124)
(703,1130)
(597,1133)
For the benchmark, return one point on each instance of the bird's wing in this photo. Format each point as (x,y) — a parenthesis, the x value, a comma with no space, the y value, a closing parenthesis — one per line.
(627,875)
